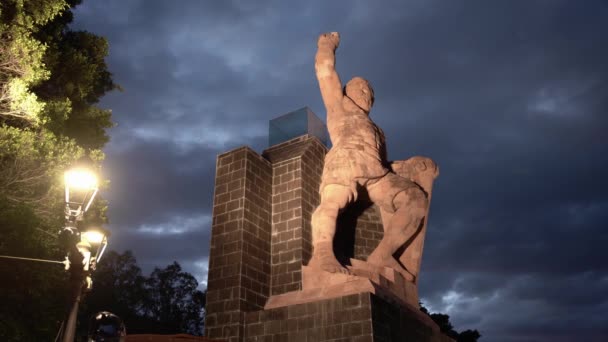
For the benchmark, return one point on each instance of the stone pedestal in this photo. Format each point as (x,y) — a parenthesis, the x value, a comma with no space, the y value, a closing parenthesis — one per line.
(361,317)
(259,288)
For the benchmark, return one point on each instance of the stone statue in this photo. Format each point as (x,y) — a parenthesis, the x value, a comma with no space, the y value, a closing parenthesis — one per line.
(358,162)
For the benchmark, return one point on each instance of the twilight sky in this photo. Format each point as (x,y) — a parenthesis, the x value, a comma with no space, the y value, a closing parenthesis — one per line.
(510,98)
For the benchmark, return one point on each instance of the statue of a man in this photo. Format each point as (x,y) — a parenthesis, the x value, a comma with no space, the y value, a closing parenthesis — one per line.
(358,161)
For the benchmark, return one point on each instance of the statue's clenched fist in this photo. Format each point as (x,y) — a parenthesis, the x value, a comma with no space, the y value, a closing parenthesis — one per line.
(330,39)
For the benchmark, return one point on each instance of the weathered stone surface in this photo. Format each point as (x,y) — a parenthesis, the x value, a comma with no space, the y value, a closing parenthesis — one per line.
(260,235)
(356,317)
(364,277)
(257,278)
(239,261)
(357,166)
(296,166)
(319,285)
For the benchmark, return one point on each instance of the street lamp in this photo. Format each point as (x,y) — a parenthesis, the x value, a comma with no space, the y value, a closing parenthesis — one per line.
(80,190)
(97,237)
(92,244)
(85,247)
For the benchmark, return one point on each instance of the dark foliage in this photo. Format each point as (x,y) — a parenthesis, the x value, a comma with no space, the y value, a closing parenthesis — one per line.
(443,321)
(66,72)
(166,302)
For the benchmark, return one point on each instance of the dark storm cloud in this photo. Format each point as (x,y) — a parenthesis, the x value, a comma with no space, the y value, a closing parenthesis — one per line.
(522,299)
(160,203)
(163,181)
(161,244)
(510,98)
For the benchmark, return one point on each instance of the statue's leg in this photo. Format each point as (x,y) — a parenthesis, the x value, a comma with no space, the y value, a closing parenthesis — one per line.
(400,226)
(333,198)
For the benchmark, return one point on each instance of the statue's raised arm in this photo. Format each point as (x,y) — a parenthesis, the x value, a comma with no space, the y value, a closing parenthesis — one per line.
(325,67)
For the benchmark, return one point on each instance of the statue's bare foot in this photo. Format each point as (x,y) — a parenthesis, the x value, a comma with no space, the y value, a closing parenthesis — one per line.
(323,258)
(378,259)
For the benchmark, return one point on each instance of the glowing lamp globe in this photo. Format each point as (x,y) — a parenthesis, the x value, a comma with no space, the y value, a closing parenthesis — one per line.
(81,186)
(97,240)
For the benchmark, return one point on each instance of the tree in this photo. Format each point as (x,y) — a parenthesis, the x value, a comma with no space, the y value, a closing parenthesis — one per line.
(51,75)
(174,302)
(21,57)
(118,287)
(50,81)
(32,296)
(118,282)
(166,302)
(81,78)
(31,162)
(443,321)
(42,111)
(469,336)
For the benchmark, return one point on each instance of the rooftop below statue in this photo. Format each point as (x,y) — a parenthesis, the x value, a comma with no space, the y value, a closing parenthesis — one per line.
(294,124)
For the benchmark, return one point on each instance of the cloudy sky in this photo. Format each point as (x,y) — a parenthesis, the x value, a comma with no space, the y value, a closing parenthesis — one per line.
(509,97)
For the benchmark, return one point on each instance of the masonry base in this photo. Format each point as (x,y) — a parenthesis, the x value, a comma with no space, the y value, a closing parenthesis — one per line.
(362,317)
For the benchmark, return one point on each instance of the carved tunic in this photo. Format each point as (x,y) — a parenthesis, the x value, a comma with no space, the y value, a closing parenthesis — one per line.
(358,154)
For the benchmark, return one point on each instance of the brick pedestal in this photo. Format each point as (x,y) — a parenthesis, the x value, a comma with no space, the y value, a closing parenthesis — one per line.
(261,239)
(362,317)
(239,262)
(296,173)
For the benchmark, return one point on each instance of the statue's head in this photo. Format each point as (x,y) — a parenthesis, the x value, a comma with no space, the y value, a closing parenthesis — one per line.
(360,91)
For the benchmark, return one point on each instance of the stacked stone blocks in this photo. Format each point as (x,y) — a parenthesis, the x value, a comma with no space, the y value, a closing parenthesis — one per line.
(239,263)
(297,167)
(340,319)
(261,234)
(261,238)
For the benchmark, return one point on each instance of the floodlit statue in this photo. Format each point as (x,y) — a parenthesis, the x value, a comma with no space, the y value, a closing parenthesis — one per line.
(358,162)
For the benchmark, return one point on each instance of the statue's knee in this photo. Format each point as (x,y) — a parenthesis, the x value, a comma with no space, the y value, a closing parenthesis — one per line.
(325,211)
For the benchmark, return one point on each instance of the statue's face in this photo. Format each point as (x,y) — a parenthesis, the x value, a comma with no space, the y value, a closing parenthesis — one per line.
(360,91)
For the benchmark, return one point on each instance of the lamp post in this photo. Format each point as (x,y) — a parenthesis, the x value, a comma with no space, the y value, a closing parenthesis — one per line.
(85,248)
(90,248)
